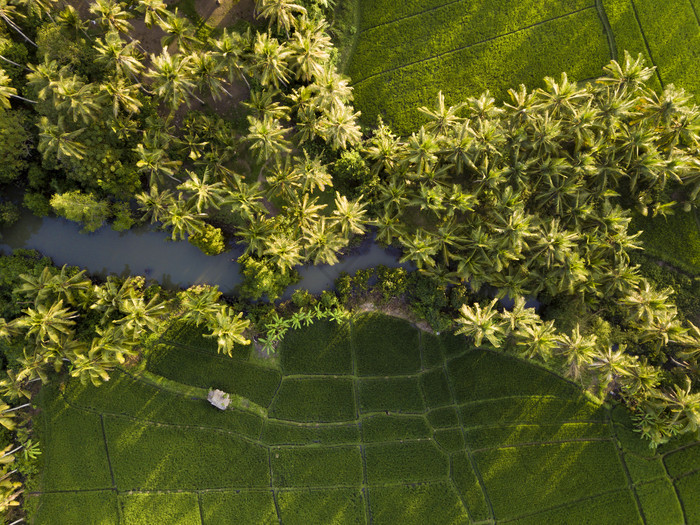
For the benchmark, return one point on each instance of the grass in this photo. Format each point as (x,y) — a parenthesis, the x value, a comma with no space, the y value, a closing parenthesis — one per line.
(464,48)
(674,239)
(174,509)
(314,400)
(332,507)
(536,451)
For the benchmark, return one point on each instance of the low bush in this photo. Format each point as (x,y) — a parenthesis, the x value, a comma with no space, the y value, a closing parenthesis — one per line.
(246,506)
(450,439)
(415,504)
(660,503)
(575,469)
(469,487)
(398,394)
(155,457)
(443,417)
(410,461)
(278,433)
(435,388)
(336,506)
(321,348)
(146,509)
(72,508)
(210,240)
(380,427)
(314,466)
(314,400)
(386,346)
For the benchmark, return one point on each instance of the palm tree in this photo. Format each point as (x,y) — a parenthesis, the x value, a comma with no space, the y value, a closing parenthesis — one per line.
(246,200)
(155,204)
(112,15)
(684,407)
(303,212)
(390,226)
(421,248)
(54,140)
(332,90)
(536,340)
(267,138)
(313,174)
(229,49)
(182,219)
(209,73)
(228,329)
(155,163)
(280,12)
(264,103)
(631,75)
(350,215)
(154,11)
(442,119)
(114,52)
(644,303)
(172,80)
(180,30)
(48,323)
(69,19)
(324,242)
(311,50)
(255,235)
(269,60)
(205,194)
(7,13)
(339,127)
(611,364)
(77,99)
(283,252)
(479,324)
(122,93)
(140,315)
(199,303)
(421,152)
(384,149)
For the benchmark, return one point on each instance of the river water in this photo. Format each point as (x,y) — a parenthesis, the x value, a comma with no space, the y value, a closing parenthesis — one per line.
(149,252)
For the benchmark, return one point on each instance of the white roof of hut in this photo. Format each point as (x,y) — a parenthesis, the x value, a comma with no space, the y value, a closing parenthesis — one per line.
(219,399)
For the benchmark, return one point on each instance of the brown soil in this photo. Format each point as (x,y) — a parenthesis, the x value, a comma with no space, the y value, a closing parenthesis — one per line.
(226,13)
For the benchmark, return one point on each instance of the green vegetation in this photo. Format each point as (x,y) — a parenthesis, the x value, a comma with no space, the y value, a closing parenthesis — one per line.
(453,463)
(674,239)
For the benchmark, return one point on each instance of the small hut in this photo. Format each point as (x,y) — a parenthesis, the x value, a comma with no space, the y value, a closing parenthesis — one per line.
(219,399)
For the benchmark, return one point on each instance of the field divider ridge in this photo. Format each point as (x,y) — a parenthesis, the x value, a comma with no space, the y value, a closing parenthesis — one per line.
(462,48)
(675,489)
(646,42)
(409,16)
(621,455)
(607,28)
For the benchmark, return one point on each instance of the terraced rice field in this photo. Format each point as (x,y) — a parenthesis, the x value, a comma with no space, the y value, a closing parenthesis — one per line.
(372,422)
(405,52)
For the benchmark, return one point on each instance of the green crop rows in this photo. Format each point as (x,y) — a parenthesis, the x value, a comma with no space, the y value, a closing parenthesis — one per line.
(460,435)
(405,52)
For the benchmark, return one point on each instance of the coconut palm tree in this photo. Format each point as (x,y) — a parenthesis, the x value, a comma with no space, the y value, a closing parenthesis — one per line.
(332,90)
(205,194)
(324,242)
(350,215)
(171,78)
(54,140)
(269,60)
(420,249)
(442,119)
(199,303)
(122,94)
(76,99)
(228,329)
(264,103)
(481,323)
(339,127)
(255,235)
(155,204)
(279,12)
(303,212)
(209,73)
(180,31)
(421,152)
(283,252)
(7,13)
(112,15)
(122,56)
(389,227)
(141,315)
(230,49)
(384,149)
(182,219)
(267,138)
(310,49)
(154,11)
(155,163)
(48,323)
(536,340)
(246,200)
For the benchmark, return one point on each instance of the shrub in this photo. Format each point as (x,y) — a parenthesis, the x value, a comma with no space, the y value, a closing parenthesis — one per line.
(350,173)
(14,144)
(210,240)
(303,298)
(122,216)
(391,282)
(80,207)
(9,214)
(37,203)
(261,277)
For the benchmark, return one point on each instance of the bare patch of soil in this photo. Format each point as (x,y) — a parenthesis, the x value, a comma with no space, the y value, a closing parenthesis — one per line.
(226,12)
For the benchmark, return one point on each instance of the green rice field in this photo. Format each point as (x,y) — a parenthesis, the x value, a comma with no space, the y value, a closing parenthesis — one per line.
(371,422)
(405,52)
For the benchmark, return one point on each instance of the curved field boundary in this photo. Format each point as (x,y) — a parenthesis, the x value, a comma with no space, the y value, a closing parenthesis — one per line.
(394,469)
